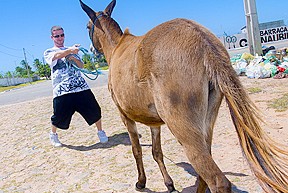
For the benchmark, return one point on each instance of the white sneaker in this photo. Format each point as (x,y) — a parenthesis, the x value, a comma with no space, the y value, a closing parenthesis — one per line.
(54,139)
(102,136)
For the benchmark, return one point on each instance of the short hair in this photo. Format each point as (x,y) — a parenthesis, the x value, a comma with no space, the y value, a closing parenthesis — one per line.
(56,28)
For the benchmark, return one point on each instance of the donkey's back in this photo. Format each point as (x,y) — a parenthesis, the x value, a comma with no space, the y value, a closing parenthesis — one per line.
(179,46)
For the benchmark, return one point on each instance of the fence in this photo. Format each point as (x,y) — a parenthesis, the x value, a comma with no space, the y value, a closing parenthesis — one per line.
(15,81)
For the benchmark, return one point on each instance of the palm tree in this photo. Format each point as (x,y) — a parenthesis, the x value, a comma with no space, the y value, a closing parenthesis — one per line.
(24,69)
(43,70)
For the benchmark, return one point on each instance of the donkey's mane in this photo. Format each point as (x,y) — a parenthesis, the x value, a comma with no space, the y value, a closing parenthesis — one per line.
(127,32)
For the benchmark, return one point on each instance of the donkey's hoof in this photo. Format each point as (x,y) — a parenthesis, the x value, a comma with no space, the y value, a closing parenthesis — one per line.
(171,188)
(139,186)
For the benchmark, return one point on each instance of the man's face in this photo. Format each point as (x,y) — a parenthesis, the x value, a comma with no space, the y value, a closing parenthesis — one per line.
(58,38)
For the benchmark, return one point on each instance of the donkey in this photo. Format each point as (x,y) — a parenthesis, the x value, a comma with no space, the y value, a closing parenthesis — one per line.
(177,74)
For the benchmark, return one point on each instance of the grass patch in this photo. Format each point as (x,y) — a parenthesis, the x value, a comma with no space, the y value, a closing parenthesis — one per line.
(104,68)
(4,88)
(254,90)
(280,104)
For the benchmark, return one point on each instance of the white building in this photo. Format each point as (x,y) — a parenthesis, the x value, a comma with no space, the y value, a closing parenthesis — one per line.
(269,32)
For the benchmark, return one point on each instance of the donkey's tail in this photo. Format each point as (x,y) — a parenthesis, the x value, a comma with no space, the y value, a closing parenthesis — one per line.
(268,162)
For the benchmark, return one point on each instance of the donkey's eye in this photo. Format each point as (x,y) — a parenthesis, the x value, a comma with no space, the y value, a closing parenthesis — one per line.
(88,26)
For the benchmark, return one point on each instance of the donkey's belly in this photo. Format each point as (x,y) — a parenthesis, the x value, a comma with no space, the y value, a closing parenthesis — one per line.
(139,111)
(133,99)
(150,119)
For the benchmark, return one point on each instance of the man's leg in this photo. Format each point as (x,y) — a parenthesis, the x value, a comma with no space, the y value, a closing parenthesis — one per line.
(101,134)
(91,111)
(53,136)
(63,110)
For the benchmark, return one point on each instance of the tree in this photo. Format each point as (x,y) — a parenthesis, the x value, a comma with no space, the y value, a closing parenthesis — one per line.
(43,70)
(88,63)
(93,61)
(100,60)
(9,74)
(22,70)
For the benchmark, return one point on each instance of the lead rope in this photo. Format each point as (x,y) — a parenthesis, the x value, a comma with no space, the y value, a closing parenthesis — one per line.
(86,72)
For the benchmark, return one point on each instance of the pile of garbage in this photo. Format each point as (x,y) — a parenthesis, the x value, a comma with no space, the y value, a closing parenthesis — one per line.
(274,64)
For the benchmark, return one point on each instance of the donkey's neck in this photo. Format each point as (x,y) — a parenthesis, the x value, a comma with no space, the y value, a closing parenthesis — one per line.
(112,36)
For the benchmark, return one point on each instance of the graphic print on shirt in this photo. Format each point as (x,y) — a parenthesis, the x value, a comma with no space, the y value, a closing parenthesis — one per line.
(67,79)
(72,84)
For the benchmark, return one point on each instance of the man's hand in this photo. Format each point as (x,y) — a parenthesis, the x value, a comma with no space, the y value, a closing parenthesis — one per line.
(76,45)
(74,50)
(63,53)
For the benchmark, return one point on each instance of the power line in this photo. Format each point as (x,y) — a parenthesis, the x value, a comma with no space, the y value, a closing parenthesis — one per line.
(11,55)
(10,48)
(21,57)
(31,55)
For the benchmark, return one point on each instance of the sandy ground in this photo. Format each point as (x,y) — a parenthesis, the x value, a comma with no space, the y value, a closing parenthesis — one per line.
(28,163)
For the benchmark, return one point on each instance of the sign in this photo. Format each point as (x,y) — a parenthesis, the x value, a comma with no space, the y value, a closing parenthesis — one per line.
(274,34)
(266,35)
(235,41)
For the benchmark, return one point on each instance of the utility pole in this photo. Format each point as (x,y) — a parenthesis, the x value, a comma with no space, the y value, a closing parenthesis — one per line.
(26,64)
(252,24)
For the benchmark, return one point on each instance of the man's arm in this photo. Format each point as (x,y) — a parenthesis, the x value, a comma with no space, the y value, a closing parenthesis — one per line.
(63,53)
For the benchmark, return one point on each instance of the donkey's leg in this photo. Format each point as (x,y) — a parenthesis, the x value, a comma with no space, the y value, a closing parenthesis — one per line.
(184,109)
(201,159)
(202,186)
(158,157)
(137,151)
(214,102)
(198,153)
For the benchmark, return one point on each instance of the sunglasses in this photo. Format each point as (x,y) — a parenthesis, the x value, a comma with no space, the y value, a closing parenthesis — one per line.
(57,36)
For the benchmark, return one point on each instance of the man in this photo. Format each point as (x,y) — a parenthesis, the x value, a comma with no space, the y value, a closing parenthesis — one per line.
(71,92)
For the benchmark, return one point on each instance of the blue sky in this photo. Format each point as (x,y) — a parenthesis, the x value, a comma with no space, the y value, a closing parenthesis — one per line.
(26,24)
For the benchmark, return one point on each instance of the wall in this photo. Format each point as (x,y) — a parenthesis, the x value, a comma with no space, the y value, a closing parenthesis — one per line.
(14,81)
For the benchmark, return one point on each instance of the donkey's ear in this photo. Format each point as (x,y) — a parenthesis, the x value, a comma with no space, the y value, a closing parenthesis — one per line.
(88,10)
(110,8)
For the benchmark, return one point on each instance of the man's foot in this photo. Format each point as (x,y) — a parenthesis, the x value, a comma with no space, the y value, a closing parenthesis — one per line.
(54,139)
(102,136)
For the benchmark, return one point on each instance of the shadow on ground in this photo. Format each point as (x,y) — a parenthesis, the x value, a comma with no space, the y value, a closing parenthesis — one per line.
(189,169)
(123,139)
(117,139)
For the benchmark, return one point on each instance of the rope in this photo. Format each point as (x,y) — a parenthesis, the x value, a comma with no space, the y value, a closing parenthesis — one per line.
(86,72)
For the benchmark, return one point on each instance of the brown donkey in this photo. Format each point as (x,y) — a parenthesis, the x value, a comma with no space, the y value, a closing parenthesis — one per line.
(177,74)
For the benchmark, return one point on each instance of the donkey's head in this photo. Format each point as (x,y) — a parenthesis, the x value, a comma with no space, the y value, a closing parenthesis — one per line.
(101,25)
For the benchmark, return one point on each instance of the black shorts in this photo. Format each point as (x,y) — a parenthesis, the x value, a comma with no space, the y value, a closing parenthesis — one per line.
(66,105)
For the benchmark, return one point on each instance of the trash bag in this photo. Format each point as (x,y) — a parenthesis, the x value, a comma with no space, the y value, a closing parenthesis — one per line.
(273,70)
(265,49)
(286,71)
(257,71)
(235,58)
(240,66)
(273,60)
(248,57)
(257,60)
